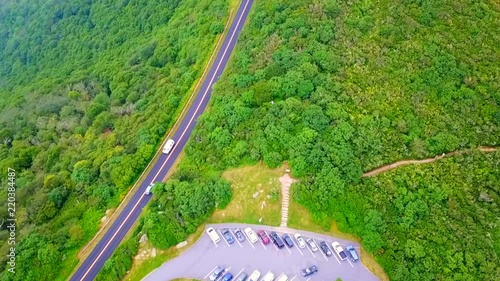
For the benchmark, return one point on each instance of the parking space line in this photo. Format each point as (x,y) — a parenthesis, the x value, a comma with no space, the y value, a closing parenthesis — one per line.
(309,248)
(226,270)
(350,262)
(238,273)
(308,279)
(335,255)
(280,276)
(235,238)
(293,278)
(288,249)
(223,238)
(321,250)
(210,272)
(248,238)
(299,249)
(276,247)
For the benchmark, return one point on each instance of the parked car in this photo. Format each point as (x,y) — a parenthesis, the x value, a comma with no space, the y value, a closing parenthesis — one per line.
(268,277)
(254,276)
(276,240)
(312,245)
(243,276)
(339,250)
(216,273)
(309,271)
(300,241)
(282,278)
(324,247)
(252,236)
(227,277)
(352,252)
(228,236)
(263,236)
(213,235)
(239,235)
(288,240)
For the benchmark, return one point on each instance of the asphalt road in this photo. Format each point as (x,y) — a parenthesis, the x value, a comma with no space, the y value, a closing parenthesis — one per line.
(112,238)
(201,258)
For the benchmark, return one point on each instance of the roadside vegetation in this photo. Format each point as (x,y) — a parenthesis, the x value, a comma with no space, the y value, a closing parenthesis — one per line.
(87,91)
(339,88)
(336,88)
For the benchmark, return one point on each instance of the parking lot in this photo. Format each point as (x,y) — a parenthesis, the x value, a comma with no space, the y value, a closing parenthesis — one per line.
(204,256)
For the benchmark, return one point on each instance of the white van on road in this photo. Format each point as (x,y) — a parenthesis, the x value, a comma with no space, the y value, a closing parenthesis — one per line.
(168,146)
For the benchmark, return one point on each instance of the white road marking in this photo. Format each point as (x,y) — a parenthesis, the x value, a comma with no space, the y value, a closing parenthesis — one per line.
(308,279)
(335,255)
(350,262)
(288,249)
(225,271)
(248,238)
(309,248)
(277,278)
(293,278)
(185,130)
(209,272)
(236,238)
(297,247)
(223,238)
(238,273)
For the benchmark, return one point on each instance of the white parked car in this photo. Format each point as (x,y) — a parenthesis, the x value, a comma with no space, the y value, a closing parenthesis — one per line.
(254,276)
(213,235)
(252,236)
(268,277)
(300,241)
(339,250)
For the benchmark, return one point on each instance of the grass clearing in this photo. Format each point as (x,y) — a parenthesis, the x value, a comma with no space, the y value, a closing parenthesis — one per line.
(245,182)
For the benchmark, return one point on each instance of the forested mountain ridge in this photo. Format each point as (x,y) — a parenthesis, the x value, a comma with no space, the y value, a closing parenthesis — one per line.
(337,88)
(87,91)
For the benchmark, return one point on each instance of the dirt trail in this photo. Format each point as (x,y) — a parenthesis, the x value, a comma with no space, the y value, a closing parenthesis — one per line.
(423,161)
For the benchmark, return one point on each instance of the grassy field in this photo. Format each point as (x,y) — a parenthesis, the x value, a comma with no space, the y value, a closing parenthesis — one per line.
(245,182)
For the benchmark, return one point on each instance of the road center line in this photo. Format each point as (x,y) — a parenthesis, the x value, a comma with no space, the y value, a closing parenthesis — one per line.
(189,123)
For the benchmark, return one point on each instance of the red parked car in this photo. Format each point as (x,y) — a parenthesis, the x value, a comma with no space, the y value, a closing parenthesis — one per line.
(263,236)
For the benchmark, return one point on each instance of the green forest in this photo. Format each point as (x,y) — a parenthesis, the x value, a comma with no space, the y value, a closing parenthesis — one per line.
(337,88)
(88,90)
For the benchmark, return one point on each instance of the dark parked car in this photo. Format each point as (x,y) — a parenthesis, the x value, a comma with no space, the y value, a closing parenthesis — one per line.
(216,273)
(276,240)
(288,240)
(239,234)
(227,277)
(309,271)
(263,236)
(324,247)
(228,236)
(352,253)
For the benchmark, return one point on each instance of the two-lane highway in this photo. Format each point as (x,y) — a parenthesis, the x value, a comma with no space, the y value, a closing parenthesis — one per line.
(112,238)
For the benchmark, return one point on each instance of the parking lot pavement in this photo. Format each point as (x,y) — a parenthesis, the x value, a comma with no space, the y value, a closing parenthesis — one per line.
(201,258)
